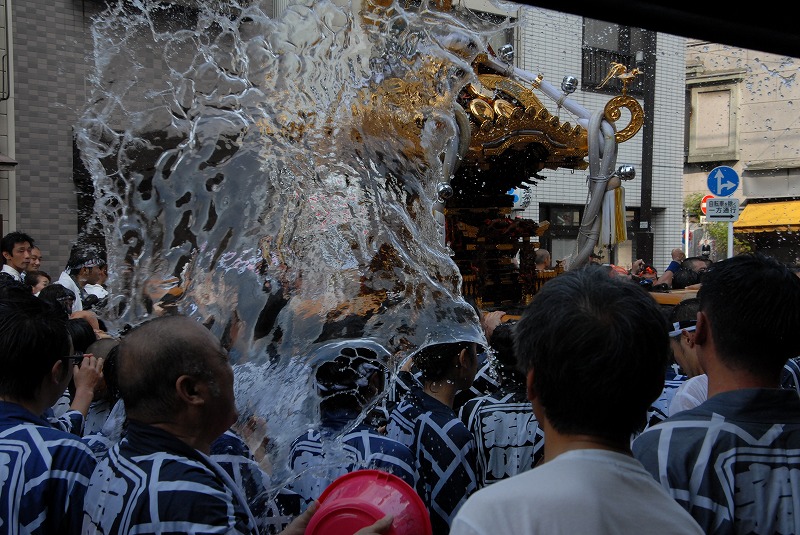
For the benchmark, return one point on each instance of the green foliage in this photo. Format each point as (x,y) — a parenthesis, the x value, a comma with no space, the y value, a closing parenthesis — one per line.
(691,203)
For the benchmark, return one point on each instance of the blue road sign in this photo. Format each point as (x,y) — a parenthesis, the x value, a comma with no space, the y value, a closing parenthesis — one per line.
(723,181)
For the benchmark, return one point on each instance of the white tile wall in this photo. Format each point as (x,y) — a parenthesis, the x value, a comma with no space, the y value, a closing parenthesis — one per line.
(549,42)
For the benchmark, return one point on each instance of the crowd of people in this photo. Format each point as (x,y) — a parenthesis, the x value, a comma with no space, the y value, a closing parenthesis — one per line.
(595,412)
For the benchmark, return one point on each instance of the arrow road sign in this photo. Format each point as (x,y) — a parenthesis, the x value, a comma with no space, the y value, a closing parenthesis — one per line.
(726,209)
(723,181)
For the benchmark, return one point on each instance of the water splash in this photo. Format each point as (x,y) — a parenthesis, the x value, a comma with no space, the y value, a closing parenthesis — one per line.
(276,179)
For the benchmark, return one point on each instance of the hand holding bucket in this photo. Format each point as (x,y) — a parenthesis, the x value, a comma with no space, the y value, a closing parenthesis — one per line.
(359,499)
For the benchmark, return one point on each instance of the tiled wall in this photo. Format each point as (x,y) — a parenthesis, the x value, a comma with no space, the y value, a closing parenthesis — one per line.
(6,108)
(52,45)
(550,43)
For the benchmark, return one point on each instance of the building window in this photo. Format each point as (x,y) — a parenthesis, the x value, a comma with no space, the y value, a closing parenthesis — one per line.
(605,43)
(561,237)
(712,118)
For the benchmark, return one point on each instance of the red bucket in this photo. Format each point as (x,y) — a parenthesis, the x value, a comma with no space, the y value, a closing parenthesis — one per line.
(359,499)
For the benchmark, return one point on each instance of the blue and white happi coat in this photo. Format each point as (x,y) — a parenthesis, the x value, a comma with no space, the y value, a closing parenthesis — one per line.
(151,483)
(44,473)
(733,461)
(445,452)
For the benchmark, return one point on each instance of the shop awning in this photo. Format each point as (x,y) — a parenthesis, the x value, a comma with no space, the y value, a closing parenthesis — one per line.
(776,216)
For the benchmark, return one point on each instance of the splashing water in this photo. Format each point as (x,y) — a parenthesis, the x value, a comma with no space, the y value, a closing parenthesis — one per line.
(276,178)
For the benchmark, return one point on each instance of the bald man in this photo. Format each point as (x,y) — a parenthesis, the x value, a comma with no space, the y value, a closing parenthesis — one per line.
(176,381)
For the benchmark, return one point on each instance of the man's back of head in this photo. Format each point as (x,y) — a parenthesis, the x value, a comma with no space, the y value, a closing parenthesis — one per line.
(150,359)
(686,310)
(173,373)
(751,302)
(542,257)
(33,337)
(348,383)
(597,348)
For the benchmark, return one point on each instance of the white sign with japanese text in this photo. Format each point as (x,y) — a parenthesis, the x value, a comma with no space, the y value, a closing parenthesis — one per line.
(722,209)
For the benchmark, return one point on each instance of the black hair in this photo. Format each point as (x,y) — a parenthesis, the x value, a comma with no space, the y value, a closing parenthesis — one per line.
(434,361)
(349,382)
(684,277)
(81,333)
(32,278)
(33,337)
(503,347)
(594,341)
(685,310)
(56,295)
(751,301)
(8,241)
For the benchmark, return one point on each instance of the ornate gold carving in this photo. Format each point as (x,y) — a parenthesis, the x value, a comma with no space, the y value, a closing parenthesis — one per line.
(612,114)
(620,71)
(481,110)
(521,122)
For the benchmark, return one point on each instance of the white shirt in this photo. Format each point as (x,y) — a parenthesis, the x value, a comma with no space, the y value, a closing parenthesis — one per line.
(66,281)
(13,272)
(690,394)
(581,491)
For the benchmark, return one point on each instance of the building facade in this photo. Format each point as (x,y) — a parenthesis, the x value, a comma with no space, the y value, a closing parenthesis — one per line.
(743,114)
(50,57)
(557,52)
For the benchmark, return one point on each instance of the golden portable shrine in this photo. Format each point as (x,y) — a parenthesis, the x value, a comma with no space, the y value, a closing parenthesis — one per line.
(513,137)
(507,136)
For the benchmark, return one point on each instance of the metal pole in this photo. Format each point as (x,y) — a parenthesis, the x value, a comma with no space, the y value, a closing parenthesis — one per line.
(730,239)
(686,235)
(644,237)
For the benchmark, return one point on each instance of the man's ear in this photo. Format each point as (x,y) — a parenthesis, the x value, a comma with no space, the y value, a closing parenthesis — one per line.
(702,331)
(7,256)
(463,358)
(59,371)
(689,338)
(531,390)
(191,389)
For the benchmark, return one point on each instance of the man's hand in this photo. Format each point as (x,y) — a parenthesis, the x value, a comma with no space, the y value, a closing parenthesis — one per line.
(381,526)
(299,524)
(86,376)
(489,321)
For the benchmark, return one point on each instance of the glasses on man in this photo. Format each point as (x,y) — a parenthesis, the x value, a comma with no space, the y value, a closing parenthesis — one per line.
(75,358)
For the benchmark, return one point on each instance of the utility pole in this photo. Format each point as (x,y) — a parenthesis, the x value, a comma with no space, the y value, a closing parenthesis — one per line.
(643,245)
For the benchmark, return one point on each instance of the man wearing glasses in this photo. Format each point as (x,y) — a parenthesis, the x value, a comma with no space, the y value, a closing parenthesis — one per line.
(43,471)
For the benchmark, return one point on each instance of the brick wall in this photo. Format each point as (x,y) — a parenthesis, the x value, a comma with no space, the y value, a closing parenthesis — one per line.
(52,49)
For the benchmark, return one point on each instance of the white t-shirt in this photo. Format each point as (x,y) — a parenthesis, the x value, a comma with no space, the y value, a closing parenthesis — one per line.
(66,281)
(690,394)
(582,491)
